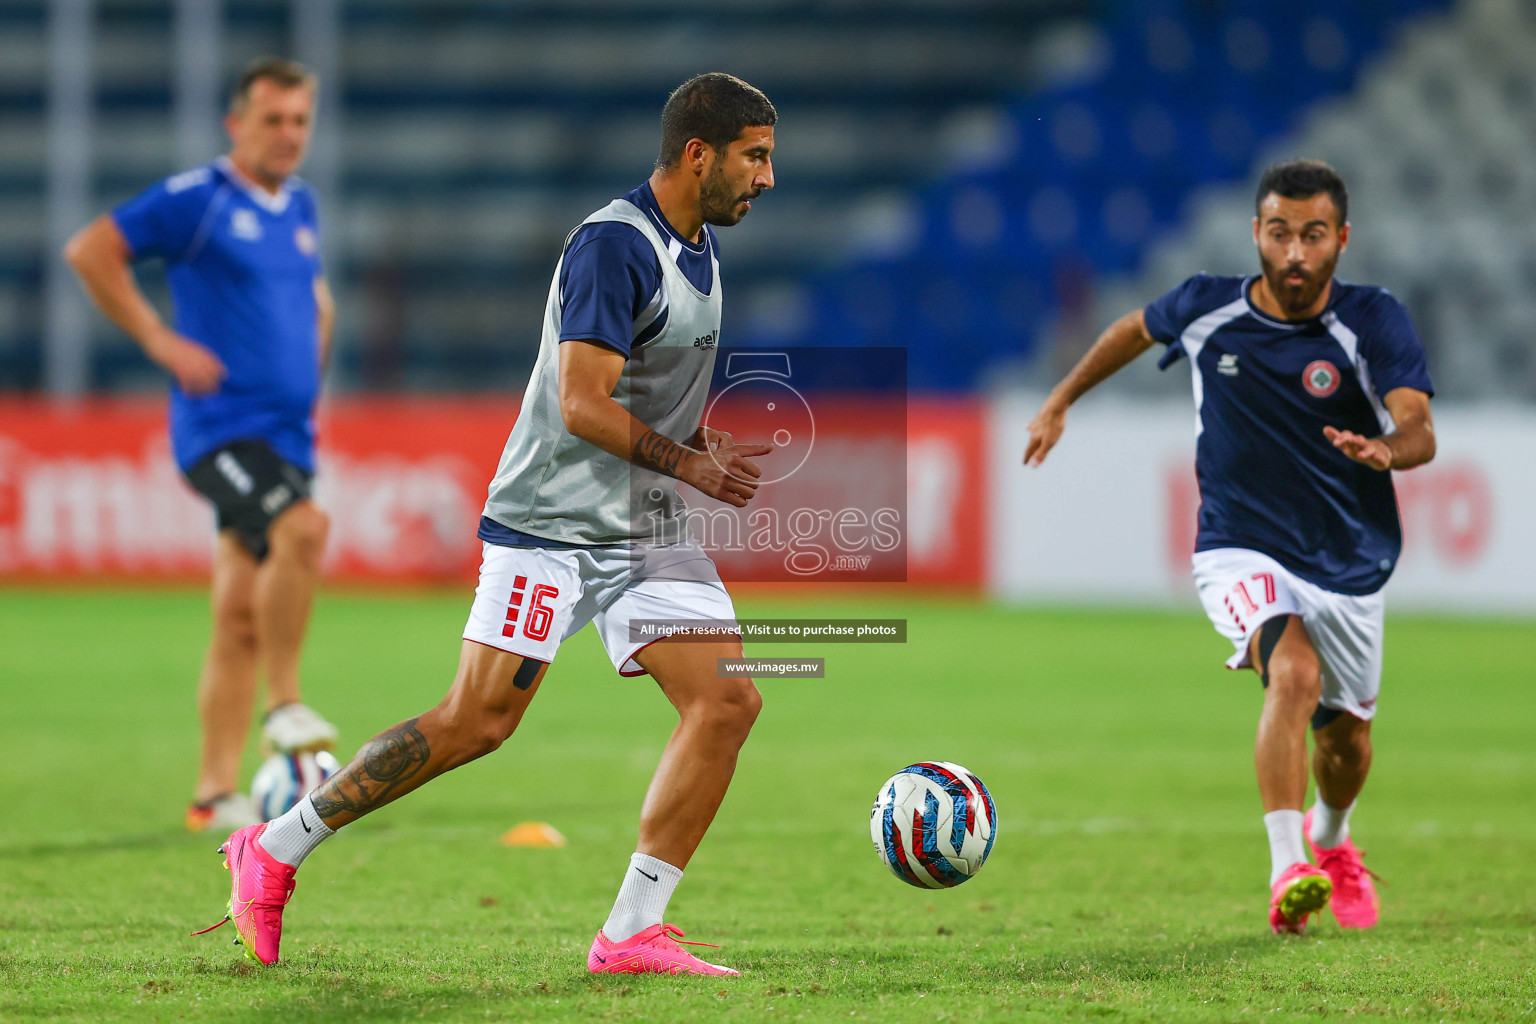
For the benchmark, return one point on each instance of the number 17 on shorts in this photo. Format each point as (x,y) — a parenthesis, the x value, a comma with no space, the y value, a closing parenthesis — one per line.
(1241,590)
(1243,601)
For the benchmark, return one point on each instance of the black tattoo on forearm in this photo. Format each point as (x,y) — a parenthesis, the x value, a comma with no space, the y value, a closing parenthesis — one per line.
(370,781)
(662,454)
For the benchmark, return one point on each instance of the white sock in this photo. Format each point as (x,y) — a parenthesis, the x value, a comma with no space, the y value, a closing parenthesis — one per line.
(1285,845)
(648,885)
(293,836)
(1330,826)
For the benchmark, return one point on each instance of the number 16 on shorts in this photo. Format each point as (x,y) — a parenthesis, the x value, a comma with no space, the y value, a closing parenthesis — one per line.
(536,615)
(523,602)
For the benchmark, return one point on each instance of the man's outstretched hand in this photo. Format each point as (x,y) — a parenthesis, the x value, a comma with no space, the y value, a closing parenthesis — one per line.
(722,468)
(1368,451)
(1044,431)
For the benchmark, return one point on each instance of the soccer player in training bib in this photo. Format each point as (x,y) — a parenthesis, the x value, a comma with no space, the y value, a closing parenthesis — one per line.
(239,238)
(1310,391)
(581,526)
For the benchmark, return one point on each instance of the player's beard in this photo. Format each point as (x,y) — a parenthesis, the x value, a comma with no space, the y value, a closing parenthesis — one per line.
(718,200)
(1297,298)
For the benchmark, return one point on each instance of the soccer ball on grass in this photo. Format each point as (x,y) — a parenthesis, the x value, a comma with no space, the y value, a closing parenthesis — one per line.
(933,824)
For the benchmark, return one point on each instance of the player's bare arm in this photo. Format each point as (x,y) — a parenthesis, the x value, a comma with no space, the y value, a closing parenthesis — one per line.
(589,371)
(101,257)
(325,318)
(1121,342)
(1411,444)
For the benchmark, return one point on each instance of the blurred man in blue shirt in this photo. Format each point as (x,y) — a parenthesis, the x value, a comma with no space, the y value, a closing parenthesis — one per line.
(240,241)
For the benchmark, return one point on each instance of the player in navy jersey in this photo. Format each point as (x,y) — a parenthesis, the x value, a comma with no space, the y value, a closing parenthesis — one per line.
(610,422)
(240,241)
(1309,391)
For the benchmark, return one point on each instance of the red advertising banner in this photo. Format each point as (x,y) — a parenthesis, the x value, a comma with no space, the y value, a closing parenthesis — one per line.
(948,497)
(91,491)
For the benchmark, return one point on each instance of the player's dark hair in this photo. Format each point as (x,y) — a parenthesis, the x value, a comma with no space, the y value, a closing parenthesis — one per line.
(714,108)
(288,74)
(1302,179)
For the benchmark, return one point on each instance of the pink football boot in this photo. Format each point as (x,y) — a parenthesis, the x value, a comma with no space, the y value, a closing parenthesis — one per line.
(259,889)
(1354,902)
(653,951)
(1301,890)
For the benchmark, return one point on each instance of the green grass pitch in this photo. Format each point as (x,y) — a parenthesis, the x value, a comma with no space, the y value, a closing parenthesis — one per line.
(1127,883)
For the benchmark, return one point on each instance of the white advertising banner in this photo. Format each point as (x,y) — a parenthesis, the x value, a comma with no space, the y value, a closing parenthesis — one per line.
(1110,517)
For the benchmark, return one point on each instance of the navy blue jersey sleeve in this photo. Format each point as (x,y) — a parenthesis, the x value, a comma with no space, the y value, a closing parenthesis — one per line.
(609,277)
(163,219)
(1168,316)
(1392,350)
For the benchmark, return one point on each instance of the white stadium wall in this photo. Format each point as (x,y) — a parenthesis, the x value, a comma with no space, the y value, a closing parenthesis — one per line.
(1110,516)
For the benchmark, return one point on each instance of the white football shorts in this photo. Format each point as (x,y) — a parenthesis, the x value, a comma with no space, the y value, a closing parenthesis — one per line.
(1242,589)
(530,600)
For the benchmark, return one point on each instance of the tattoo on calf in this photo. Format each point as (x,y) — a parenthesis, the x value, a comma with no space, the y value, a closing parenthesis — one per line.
(664,455)
(389,759)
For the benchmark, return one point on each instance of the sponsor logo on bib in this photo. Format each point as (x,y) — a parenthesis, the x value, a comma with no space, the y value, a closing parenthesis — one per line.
(1320,378)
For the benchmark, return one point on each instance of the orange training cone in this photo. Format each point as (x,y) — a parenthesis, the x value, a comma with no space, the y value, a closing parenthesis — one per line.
(533,833)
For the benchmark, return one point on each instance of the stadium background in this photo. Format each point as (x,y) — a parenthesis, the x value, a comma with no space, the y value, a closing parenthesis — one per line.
(983,183)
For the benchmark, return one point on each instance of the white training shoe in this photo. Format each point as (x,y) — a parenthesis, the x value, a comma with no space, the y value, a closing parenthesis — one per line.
(295,728)
(222,814)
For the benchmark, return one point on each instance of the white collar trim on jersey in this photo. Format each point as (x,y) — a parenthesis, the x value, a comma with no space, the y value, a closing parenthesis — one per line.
(678,242)
(260,196)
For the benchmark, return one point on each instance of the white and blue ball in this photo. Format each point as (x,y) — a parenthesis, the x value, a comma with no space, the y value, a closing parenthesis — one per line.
(933,824)
(284,778)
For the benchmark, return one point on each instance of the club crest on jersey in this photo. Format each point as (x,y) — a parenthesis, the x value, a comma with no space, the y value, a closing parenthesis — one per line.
(1320,378)
(243,224)
(304,239)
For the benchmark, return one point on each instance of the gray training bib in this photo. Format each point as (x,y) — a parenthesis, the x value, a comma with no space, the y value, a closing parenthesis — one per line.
(554,485)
